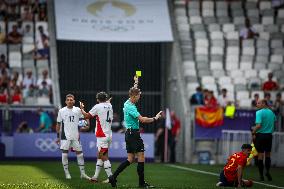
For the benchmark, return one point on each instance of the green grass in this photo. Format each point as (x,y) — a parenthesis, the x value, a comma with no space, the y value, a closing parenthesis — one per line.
(49,174)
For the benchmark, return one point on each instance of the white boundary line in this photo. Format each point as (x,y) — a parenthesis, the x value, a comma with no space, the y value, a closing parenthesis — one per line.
(215,174)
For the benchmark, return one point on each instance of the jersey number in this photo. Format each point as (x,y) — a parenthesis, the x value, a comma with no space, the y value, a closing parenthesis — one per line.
(108,119)
(232,160)
(71,118)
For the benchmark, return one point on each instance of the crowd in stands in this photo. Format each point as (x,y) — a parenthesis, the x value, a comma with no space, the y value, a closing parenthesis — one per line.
(24,51)
(206,97)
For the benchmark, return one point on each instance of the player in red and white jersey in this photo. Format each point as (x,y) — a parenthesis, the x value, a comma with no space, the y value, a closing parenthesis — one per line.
(232,173)
(104,114)
(68,134)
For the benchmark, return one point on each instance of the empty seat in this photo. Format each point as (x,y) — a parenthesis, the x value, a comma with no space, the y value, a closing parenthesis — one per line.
(253,13)
(233,50)
(262,43)
(274,66)
(218,42)
(240,80)
(248,43)
(228,28)
(232,35)
(207,80)
(250,73)
(195,20)
(218,73)
(214,27)
(246,65)
(259,66)
(276,58)
(245,103)
(216,65)
(208,12)
(261,59)
(248,51)
(242,95)
(224,80)
(216,35)
(263,51)
(217,50)
(236,73)
(201,43)
(276,43)
(15,59)
(263,5)
(263,73)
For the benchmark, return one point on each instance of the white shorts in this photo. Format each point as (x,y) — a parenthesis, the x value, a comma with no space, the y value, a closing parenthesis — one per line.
(67,144)
(103,142)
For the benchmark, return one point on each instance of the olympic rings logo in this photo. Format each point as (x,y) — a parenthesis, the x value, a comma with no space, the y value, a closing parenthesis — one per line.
(47,144)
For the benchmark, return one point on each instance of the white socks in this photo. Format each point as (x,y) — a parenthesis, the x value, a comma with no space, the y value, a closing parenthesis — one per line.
(81,164)
(99,166)
(107,167)
(65,162)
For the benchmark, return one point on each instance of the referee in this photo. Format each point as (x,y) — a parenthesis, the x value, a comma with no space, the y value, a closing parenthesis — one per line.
(265,121)
(134,143)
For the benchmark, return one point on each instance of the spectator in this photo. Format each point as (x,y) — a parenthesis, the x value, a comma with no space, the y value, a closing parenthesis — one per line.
(3,10)
(175,131)
(12,13)
(248,32)
(24,128)
(27,32)
(42,14)
(17,96)
(4,79)
(14,37)
(27,14)
(17,78)
(115,125)
(3,96)
(197,97)
(42,44)
(29,84)
(4,65)
(210,100)
(279,104)
(270,85)
(254,101)
(267,97)
(223,99)
(2,35)
(45,122)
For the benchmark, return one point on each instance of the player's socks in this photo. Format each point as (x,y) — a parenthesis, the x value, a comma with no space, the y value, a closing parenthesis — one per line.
(260,169)
(107,167)
(267,167)
(140,172)
(121,167)
(65,163)
(99,166)
(81,163)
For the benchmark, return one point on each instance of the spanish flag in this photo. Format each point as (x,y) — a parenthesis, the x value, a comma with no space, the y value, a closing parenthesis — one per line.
(209,117)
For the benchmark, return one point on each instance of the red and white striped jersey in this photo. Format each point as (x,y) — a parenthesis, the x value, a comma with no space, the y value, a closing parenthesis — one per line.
(104,114)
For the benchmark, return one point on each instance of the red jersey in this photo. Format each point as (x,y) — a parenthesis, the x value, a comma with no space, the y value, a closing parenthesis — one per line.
(270,86)
(230,169)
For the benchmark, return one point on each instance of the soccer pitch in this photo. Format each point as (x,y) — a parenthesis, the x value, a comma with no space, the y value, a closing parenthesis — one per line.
(49,174)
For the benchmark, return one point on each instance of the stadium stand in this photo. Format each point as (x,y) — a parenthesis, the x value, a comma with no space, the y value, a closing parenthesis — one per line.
(24,50)
(215,54)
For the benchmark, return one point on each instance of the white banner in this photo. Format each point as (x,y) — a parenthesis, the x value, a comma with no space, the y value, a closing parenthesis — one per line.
(113,20)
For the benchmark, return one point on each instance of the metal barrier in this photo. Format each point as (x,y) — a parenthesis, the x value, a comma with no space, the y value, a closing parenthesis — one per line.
(232,141)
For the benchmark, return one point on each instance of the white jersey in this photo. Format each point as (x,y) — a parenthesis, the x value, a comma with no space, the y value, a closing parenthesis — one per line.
(104,115)
(69,119)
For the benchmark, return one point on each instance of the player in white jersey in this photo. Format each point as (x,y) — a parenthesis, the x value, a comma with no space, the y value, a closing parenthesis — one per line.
(104,114)
(67,125)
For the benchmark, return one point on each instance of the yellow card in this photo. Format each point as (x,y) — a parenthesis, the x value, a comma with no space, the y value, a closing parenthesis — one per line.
(138,73)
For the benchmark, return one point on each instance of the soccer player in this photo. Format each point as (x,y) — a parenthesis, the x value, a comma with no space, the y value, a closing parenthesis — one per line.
(134,143)
(104,114)
(232,173)
(265,121)
(67,124)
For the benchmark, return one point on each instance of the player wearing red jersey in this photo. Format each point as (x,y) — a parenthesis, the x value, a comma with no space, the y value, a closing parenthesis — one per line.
(232,173)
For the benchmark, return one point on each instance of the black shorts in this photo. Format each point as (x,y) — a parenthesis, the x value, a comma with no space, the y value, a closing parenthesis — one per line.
(225,182)
(134,142)
(263,142)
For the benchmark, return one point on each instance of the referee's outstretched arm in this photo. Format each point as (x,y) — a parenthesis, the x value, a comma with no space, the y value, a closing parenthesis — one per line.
(149,119)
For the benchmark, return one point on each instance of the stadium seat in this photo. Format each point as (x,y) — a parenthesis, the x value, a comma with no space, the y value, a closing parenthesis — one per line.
(245,103)
(263,73)
(217,50)
(276,58)
(260,93)
(250,73)
(264,5)
(228,28)
(242,95)
(214,27)
(236,73)
(15,59)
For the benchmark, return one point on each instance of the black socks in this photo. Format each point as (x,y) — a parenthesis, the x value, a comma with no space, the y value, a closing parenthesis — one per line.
(140,172)
(121,167)
(260,167)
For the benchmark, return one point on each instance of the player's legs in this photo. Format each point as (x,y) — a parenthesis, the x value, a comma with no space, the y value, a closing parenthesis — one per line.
(80,157)
(103,144)
(267,149)
(259,144)
(64,146)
